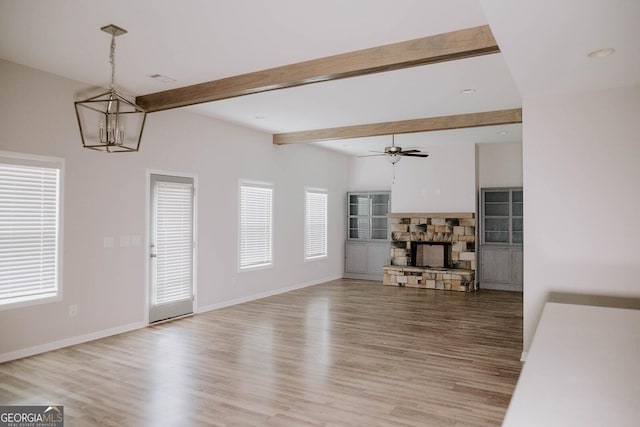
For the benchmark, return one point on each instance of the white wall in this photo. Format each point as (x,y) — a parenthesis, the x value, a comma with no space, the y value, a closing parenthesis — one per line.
(443,182)
(370,174)
(105,196)
(499,164)
(581,175)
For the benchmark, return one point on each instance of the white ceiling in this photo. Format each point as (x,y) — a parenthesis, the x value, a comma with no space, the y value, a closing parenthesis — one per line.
(191,41)
(201,40)
(546,43)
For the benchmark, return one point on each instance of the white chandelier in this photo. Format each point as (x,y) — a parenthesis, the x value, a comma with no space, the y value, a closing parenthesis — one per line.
(109,122)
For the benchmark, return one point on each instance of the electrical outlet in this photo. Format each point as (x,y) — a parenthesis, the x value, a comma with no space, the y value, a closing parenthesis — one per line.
(73,310)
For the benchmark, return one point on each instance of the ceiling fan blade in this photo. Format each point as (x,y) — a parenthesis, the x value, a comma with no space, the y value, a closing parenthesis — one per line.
(414,155)
(410,150)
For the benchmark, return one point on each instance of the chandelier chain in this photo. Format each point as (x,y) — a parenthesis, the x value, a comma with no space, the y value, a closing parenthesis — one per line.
(112,60)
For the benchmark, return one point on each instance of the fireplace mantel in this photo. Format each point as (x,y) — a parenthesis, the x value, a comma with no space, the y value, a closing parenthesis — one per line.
(432,215)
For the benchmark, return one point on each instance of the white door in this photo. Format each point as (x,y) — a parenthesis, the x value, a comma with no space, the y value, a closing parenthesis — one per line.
(171,247)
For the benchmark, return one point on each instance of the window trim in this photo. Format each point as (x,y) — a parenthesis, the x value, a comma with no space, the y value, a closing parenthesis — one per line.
(24,159)
(258,184)
(326,224)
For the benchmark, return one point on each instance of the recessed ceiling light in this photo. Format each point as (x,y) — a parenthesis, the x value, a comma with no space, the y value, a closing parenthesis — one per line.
(601,53)
(502,132)
(161,78)
(467,91)
(259,117)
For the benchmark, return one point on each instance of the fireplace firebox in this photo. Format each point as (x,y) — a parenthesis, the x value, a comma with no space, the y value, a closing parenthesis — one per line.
(431,254)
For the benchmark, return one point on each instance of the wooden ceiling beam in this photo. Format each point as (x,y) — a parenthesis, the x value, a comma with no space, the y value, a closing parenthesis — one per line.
(459,121)
(438,48)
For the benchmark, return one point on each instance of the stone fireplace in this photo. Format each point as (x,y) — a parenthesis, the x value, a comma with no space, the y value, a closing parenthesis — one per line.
(432,250)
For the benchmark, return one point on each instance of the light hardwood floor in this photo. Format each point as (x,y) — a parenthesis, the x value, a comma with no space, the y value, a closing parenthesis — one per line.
(344,353)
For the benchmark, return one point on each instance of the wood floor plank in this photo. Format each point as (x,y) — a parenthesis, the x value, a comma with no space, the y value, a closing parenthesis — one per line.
(343,353)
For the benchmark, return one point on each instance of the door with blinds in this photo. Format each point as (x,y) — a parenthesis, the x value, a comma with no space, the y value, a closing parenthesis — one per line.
(171,247)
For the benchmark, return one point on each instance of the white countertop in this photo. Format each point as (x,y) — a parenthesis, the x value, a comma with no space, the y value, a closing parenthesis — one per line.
(583,369)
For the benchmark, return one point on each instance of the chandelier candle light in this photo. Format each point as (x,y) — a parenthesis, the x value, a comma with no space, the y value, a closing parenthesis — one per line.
(109,122)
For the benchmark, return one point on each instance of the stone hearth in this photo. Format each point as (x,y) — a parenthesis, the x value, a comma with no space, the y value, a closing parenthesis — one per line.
(459,229)
(448,279)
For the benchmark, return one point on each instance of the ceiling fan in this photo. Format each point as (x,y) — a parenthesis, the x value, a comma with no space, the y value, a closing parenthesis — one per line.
(394,153)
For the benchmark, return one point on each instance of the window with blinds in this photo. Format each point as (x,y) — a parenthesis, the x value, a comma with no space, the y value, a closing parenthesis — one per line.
(174,242)
(315,224)
(256,225)
(29,229)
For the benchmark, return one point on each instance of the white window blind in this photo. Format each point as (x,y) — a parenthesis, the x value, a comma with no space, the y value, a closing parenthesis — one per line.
(29,218)
(255,225)
(174,242)
(315,225)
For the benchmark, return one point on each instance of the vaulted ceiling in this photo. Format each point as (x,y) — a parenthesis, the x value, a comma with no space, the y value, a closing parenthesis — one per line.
(195,41)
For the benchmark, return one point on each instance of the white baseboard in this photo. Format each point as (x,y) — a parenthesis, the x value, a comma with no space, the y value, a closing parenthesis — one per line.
(523,356)
(55,345)
(31,351)
(265,294)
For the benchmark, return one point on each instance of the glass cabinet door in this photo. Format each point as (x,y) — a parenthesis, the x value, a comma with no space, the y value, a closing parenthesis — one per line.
(379,220)
(368,216)
(496,216)
(359,208)
(358,228)
(379,204)
(502,216)
(516,217)
(359,205)
(379,229)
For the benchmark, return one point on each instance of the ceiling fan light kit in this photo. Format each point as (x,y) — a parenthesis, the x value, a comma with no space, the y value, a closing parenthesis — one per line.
(109,122)
(393,158)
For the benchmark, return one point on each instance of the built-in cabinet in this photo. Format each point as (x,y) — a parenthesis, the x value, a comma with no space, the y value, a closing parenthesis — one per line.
(364,260)
(368,236)
(501,238)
